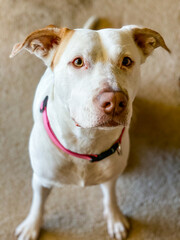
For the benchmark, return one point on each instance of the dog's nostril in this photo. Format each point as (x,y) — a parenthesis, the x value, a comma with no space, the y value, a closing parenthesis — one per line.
(107,104)
(122,104)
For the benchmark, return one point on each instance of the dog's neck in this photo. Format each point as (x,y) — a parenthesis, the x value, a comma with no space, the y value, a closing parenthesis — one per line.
(77,139)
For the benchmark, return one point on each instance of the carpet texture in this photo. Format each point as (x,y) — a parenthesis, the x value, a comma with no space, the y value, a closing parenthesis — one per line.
(149,190)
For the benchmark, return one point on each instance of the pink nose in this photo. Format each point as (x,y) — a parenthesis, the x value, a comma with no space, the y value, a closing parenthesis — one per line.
(112,102)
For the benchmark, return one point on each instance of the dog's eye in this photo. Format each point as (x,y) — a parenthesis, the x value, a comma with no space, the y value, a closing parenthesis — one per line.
(127,62)
(78,62)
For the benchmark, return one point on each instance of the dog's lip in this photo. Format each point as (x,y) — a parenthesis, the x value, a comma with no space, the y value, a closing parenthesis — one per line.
(110,123)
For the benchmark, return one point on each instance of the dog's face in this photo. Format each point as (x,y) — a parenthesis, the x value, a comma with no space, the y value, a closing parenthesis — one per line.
(96,73)
(97,77)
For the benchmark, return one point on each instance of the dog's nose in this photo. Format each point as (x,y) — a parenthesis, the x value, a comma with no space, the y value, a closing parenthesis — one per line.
(112,102)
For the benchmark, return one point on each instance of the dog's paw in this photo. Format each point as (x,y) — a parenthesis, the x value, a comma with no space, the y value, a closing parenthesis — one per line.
(117,225)
(28,229)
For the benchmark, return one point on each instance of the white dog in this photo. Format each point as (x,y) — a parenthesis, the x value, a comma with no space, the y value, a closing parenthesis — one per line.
(80,136)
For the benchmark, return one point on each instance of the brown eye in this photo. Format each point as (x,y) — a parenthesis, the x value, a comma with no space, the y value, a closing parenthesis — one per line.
(78,62)
(127,62)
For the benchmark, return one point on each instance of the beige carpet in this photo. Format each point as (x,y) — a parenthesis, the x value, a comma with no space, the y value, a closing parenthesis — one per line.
(149,190)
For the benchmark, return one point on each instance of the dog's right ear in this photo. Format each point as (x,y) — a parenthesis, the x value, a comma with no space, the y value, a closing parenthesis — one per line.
(147,40)
(42,43)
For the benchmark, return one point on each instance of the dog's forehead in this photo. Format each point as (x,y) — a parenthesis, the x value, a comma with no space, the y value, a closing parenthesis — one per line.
(114,36)
(102,45)
(113,41)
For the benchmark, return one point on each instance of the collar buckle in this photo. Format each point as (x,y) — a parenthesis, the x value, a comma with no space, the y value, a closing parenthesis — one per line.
(119,149)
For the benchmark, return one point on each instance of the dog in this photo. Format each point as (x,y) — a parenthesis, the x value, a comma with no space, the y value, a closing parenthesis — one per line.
(82,111)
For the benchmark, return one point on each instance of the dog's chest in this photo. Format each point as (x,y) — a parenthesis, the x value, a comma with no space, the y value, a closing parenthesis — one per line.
(84,173)
(57,168)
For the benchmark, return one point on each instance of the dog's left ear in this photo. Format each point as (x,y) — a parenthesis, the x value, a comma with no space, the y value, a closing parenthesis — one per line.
(42,43)
(147,40)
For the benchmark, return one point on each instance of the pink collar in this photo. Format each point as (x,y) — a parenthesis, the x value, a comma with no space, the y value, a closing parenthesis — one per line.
(91,157)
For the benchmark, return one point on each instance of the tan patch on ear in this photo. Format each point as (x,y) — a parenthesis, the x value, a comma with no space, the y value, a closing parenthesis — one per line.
(65,35)
(47,39)
(148,40)
(39,41)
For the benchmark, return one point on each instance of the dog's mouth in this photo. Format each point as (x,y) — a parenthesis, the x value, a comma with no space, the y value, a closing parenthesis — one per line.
(107,124)
(111,123)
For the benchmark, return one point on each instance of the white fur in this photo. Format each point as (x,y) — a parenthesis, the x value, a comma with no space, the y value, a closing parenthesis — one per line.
(71,92)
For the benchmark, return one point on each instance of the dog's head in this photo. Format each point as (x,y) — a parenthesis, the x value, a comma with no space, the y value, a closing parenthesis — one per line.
(96,73)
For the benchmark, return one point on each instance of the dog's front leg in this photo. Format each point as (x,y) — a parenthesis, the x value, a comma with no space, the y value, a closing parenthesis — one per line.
(30,227)
(116,223)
